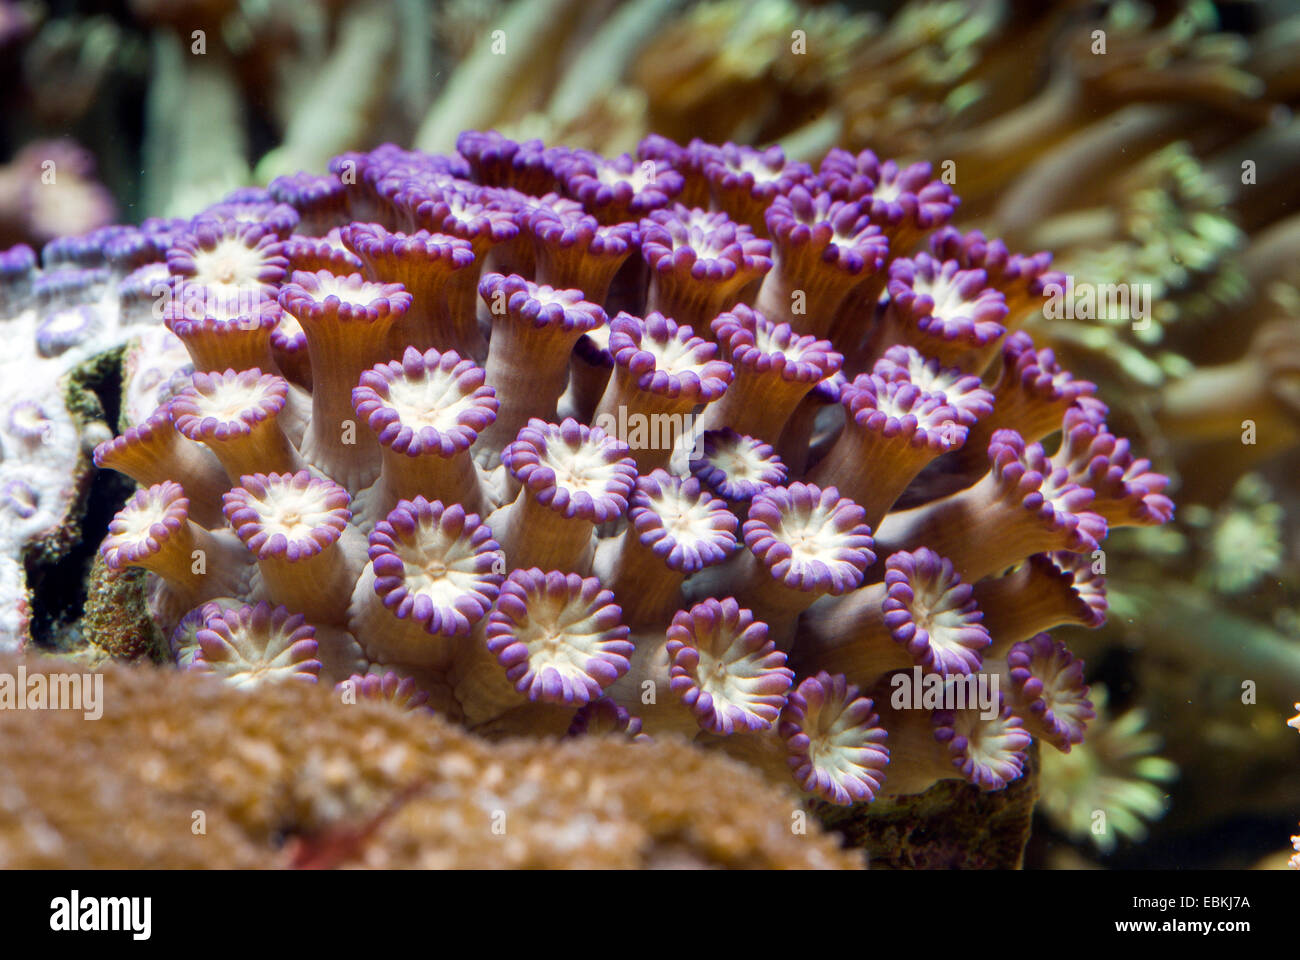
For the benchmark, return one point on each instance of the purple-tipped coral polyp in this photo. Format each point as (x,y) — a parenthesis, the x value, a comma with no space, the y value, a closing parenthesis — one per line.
(836,744)
(345,321)
(737,467)
(725,669)
(251,646)
(1022,506)
(534,330)
(426,410)
(824,249)
(575,250)
(572,477)
(904,201)
(434,269)
(984,748)
(235,415)
(802,543)
(921,615)
(662,373)
(809,538)
(227,261)
(1047,688)
(498,161)
(559,636)
(774,368)
(675,528)
(944,311)
(699,263)
(154,531)
(296,525)
(619,189)
(892,430)
(745,180)
(433,575)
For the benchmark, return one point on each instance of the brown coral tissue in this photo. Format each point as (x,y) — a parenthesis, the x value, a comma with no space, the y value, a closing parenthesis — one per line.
(295,777)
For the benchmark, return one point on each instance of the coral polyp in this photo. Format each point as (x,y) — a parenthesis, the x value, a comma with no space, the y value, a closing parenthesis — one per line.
(697,444)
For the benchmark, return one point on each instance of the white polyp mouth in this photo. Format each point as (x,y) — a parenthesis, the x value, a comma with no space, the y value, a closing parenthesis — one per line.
(765,339)
(686,519)
(700,240)
(228,401)
(987,743)
(428,401)
(948,301)
(887,191)
(739,462)
(547,296)
(578,469)
(560,635)
(1062,693)
(30,418)
(289,325)
(808,534)
(230,264)
(611,176)
(887,402)
(65,321)
(458,207)
(439,565)
(935,610)
(834,745)
(1054,491)
(347,289)
(673,356)
(254,659)
(728,675)
(138,519)
(1057,688)
(755,166)
(697,219)
(291,511)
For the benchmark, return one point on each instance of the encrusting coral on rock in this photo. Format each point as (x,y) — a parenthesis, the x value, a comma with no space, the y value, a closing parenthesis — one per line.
(545,503)
(188,772)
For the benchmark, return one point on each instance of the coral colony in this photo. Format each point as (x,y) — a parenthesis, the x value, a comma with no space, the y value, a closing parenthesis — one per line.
(699,441)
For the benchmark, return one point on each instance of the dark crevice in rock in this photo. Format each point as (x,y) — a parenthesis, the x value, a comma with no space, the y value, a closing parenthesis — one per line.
(57,571)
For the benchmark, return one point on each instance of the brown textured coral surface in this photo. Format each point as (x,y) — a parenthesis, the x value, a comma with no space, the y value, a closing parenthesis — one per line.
(289,775)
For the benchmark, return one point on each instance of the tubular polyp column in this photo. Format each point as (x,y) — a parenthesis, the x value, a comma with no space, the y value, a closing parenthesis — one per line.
(426,410)
(236,415)
(534,330)
(774,369)
(572,477)
(345,321)
(296,525)
(433,574)
(154,531)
